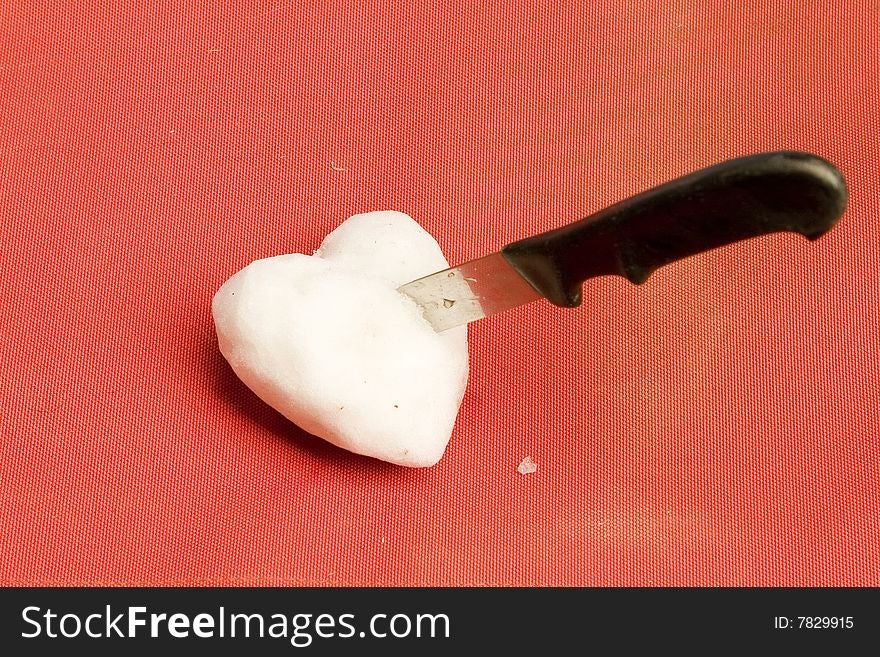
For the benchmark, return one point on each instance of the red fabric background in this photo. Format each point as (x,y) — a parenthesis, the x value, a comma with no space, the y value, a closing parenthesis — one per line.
(717,425)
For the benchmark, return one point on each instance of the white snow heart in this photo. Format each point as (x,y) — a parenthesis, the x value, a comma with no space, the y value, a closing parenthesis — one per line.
(328,341)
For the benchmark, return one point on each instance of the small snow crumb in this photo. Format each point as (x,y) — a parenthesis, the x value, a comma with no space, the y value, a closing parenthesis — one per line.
(527,466)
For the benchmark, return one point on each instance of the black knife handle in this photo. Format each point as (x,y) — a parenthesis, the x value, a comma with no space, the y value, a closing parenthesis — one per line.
(735,200)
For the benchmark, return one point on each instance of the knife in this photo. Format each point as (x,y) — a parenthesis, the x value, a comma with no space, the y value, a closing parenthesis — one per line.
(722,204)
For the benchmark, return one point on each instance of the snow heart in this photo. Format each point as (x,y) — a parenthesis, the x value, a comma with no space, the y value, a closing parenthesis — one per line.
(328,341)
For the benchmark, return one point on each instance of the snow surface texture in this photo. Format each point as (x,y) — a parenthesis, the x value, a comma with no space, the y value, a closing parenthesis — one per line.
(328,341)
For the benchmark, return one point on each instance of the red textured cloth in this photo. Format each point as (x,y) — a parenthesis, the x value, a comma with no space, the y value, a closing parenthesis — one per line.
(717,425)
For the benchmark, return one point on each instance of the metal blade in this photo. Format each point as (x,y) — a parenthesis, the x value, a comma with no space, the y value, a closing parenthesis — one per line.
(471,291)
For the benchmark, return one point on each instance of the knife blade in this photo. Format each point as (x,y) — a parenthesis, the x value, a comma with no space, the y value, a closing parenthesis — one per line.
(742,198)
